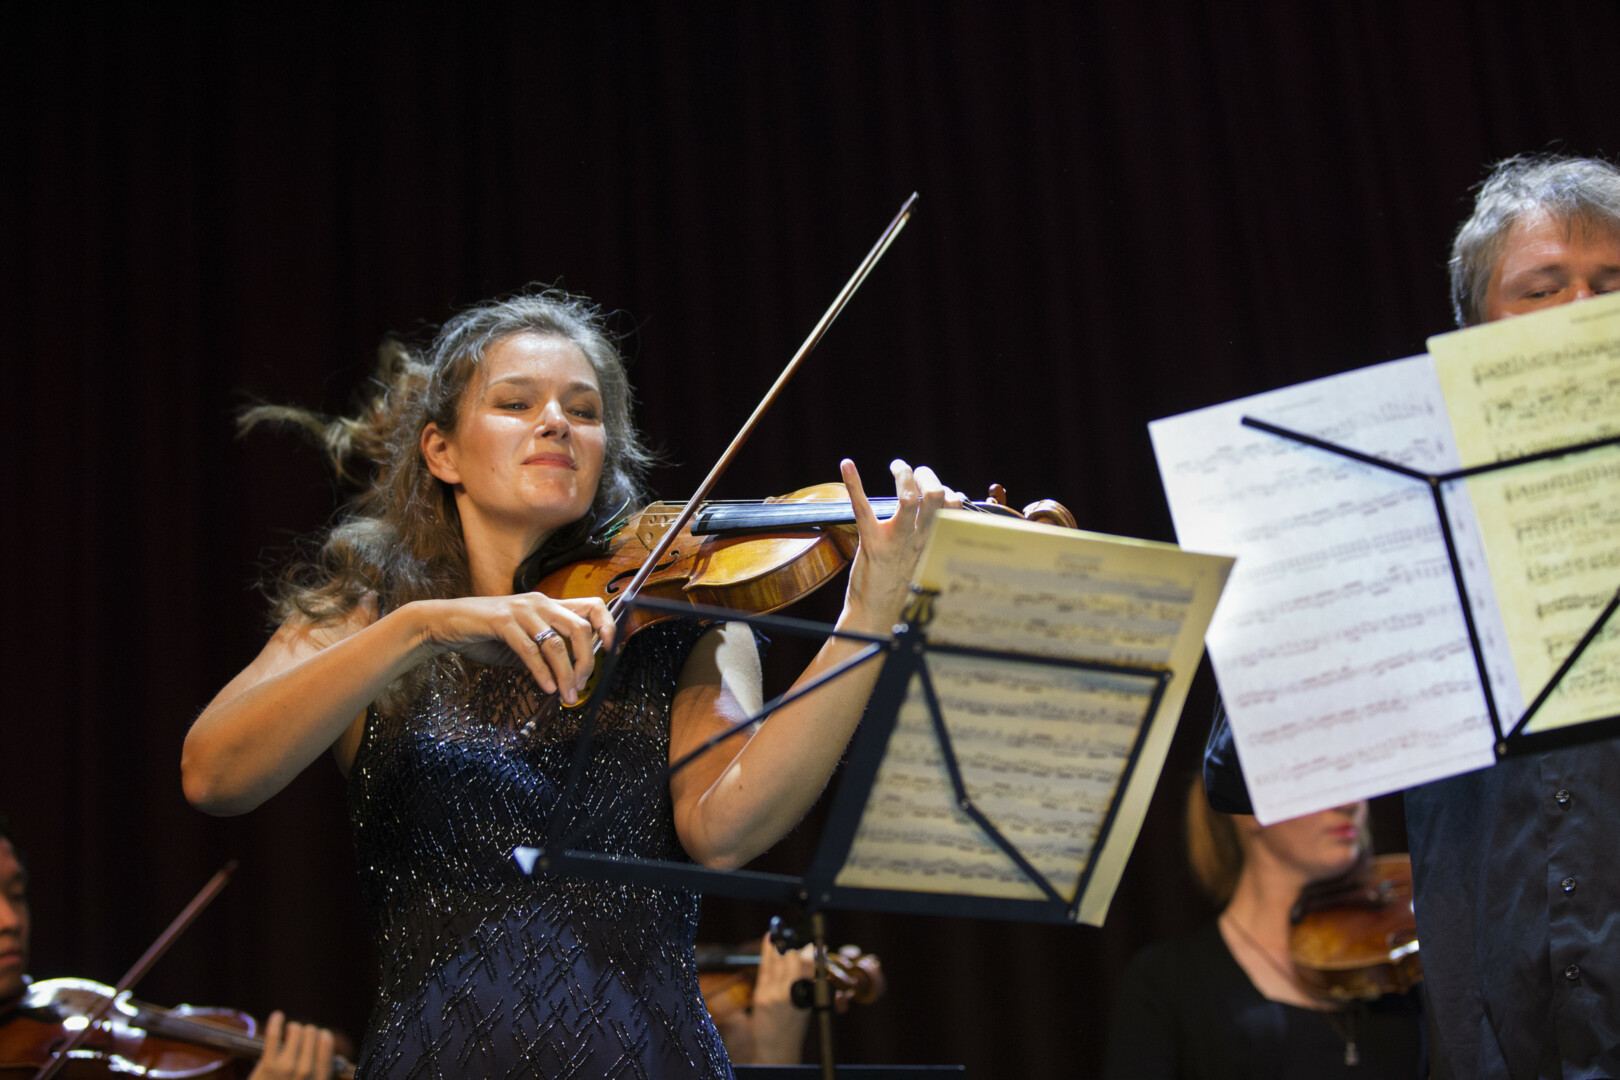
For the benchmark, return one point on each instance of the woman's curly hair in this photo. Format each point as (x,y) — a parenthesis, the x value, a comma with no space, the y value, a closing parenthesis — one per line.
(399,539)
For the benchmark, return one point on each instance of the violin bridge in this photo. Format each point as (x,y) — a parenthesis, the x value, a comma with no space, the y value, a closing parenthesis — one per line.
(654,522)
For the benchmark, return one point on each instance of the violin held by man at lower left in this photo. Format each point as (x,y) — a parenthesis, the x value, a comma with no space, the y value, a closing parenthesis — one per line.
(132,1039)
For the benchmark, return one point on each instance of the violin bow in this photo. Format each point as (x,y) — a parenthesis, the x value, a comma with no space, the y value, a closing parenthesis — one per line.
(182,921)
(631,590)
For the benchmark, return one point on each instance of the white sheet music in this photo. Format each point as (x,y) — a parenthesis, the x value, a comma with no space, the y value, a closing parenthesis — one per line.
(1340,648)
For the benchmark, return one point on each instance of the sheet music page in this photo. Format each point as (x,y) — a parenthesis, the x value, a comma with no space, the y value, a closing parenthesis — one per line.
(1551,530)
(1042,748)
(1340,647)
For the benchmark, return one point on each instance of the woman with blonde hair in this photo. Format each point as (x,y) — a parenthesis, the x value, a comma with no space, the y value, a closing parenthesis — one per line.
(1225,1001)
(413,648)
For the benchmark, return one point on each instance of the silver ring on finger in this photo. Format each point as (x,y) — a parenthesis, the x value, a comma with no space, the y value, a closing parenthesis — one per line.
(544,636)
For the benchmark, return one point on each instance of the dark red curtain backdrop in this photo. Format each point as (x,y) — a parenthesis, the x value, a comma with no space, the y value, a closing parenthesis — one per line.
(1127,211)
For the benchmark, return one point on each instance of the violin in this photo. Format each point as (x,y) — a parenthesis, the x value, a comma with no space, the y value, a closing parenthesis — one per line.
(726,977)
(1361,943)
(133,1038)
(747,556)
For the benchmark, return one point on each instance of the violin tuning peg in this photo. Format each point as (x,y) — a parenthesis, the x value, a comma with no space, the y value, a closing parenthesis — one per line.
(784,935)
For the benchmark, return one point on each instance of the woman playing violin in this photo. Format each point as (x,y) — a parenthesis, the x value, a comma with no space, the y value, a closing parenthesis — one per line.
(405,650)
(1226,1001)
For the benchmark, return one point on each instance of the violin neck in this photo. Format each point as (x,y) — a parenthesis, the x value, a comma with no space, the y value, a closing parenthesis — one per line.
(742,518)
(199,1032)
(202,1033)
(710,958)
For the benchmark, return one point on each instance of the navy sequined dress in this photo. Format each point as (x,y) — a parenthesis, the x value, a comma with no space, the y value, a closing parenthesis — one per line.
(486,972)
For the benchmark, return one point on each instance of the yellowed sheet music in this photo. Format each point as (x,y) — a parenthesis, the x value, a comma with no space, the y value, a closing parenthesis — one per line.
(1551,531)
(1042,748)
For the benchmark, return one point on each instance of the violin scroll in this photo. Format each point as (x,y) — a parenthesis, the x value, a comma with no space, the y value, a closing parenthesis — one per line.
(1045,511)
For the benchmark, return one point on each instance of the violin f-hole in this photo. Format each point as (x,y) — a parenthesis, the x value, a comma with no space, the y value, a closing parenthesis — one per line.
(616,583)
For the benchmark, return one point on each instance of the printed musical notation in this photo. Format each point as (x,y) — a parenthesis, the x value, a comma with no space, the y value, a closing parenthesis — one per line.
(1341,646)
(1550,538)
(1042,748)
(1341,623)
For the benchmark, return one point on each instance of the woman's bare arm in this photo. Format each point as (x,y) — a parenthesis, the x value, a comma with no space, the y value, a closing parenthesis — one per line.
(738,800)
(309,688)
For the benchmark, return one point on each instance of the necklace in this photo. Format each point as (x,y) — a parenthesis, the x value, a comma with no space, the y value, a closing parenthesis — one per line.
(1342,1021)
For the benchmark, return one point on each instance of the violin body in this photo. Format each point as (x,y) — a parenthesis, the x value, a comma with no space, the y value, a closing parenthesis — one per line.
(757,573)
(1366,947)
(132,1039)
(118,1044)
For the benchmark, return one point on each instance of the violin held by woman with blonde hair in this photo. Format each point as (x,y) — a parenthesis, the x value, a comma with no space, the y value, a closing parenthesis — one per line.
(412,649)
(1227,1001)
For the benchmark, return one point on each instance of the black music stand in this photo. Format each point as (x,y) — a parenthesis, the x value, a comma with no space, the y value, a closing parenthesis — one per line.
(1516,740)
(904,657)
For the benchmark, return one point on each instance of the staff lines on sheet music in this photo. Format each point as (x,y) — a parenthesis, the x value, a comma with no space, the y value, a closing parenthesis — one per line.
(1385,544)
(1037,709)
(1012,677)
(1549,413)
(1444,615)
(1076,765)
(1379,710)
(1315,476)
(1080,576)
(1348,593)
(913,834)
(1571,603)
(1353,510)
(1060,764)
(1575,565)
(1589,680)
(1362,426)
(1420,703)
(924,795)
(1564,479)
(1057,618)
(1022,698)
(930,784)
(1353,673)
(1049,733)
(1004,873)
(1063,850)
(1561,645)
(1318,477)
(1570,524)
(1156,619)
(1055,862)
(1516,366)
(1059,641)
(1062,736)
(1382,751)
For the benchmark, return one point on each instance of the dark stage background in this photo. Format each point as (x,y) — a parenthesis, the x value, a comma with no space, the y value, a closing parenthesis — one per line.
(1126,212)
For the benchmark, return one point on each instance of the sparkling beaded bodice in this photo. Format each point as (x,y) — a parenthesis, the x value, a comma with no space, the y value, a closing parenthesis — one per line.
(487,972)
